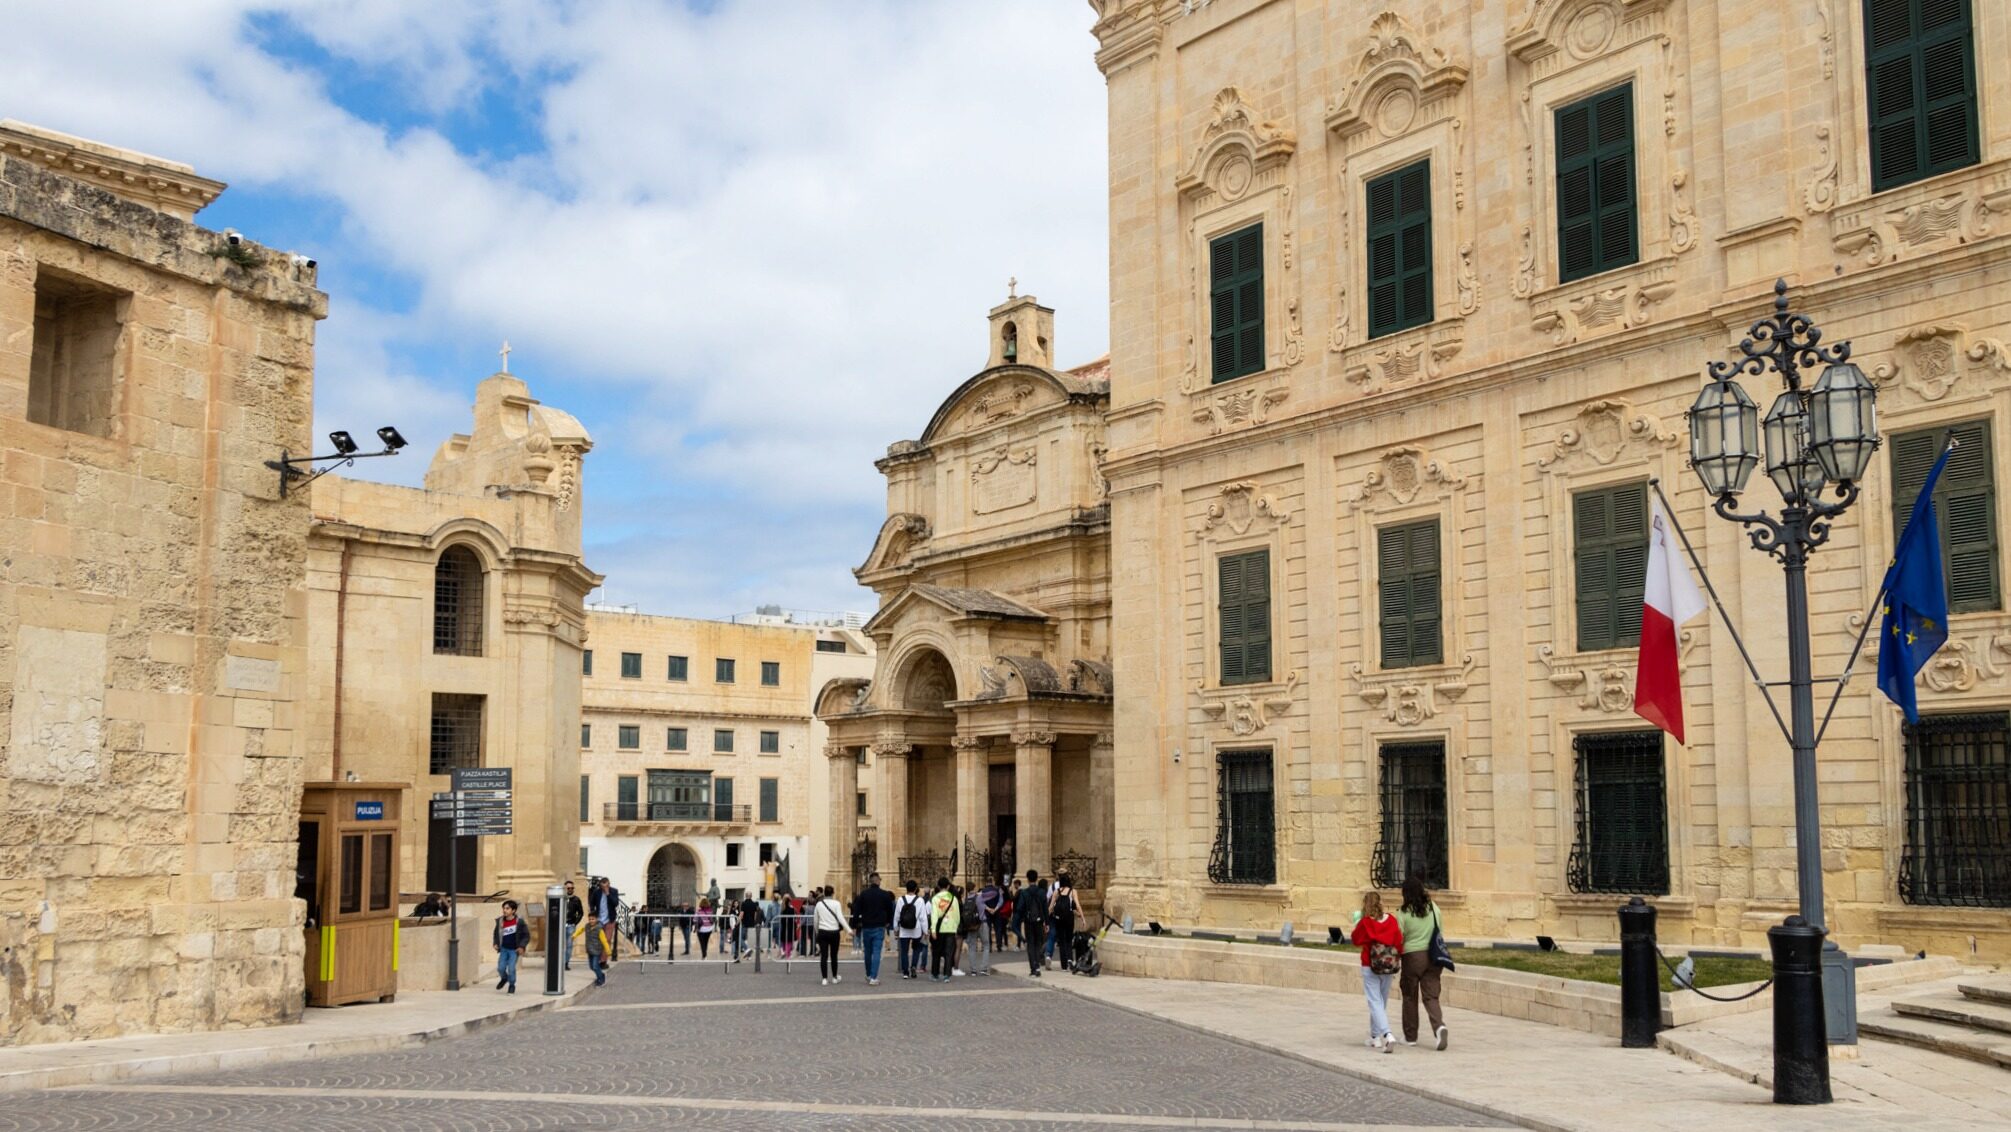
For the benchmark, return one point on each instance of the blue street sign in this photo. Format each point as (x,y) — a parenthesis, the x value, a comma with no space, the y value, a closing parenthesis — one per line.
(369,811)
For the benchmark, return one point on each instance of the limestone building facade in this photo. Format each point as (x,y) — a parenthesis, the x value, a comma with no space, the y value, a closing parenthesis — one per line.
(444,627)
(984,731)
(699,752)
(149,574)
(1409,298)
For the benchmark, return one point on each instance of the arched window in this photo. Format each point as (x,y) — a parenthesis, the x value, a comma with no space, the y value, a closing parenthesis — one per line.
(457,603)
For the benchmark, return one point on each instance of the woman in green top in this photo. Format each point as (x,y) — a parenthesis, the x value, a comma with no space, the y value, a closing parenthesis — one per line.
(1418,917)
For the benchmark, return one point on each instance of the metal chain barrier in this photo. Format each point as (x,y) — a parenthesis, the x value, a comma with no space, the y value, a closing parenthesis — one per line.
(1692,987)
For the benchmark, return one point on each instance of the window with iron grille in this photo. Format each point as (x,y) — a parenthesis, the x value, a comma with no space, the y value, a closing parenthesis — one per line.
(675,739)
(1920,88)
(629,736)
(586,662)
(457,603)
(1965,503)
(1609,529)
(1245,820)
(1413,839)
(722,741)
(771,799)
(771,742)
(1958,811)
(722,671)
(631,666)
(457,732)
(1244,591)
(771,674)
(1622,842)
(1595,185)
(1407,597)
(680,668)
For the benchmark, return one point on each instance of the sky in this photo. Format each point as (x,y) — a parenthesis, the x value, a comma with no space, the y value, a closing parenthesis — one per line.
(748,244)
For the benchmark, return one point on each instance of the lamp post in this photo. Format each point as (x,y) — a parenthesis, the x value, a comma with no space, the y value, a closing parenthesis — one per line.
(1819,441)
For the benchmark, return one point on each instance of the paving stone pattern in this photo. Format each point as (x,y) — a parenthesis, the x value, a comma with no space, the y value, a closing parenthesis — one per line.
(1001,1047)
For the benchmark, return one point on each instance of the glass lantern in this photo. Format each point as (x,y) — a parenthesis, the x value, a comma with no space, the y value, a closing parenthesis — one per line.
(1843,422)
(1724,437)
(1789,463)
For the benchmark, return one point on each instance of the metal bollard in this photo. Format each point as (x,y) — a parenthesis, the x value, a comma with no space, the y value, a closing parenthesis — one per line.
(1640,986)
(555,939)
(1801,1048)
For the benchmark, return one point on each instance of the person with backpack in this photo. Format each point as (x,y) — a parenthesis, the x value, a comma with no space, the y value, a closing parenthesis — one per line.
(1002,925)
(1381,939)
(1030,919)
(829,923)
(1063,907)
(911,926)
(944,919)
(988,901)
(874,906)
(1418,917)
(511,936)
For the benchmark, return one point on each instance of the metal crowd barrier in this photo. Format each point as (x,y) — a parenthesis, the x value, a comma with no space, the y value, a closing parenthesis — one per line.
(667,938)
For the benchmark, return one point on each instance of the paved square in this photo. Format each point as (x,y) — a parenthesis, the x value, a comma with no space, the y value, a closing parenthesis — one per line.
(691,1044)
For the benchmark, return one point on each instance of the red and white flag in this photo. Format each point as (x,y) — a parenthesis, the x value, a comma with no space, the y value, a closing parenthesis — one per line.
(1669,599)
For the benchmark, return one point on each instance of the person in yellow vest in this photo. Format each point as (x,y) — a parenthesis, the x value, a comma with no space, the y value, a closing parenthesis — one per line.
(945,917)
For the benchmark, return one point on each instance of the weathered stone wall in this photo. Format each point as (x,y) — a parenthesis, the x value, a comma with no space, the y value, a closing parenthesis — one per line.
(149,788)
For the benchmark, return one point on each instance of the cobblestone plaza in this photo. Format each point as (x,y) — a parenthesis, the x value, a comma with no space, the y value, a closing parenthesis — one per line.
(689,1045)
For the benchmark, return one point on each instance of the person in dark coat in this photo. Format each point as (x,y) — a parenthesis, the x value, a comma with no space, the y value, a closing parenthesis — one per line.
(1029,913)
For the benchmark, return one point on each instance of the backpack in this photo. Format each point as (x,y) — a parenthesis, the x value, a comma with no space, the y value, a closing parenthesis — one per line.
(971,915)
(907,918)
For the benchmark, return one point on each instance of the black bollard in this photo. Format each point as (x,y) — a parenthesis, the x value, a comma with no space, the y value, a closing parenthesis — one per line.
(555,939)
(1640,986)
(1801,1047)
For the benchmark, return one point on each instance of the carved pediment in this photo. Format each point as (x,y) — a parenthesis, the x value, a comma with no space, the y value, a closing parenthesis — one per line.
(1604,430)
(1397,82)
(1929,360)
(1239,149)
(1583,29)
(896,543)
(1242,505)
(1399,477)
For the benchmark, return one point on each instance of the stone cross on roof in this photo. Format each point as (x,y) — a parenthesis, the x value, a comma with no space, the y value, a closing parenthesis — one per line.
(505,352)
(1012,287)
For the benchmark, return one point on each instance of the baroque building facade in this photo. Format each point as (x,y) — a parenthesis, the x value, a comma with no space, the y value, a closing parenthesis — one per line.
(444,628)
(984,729)
(699,753)
(1409,299)
(149,569)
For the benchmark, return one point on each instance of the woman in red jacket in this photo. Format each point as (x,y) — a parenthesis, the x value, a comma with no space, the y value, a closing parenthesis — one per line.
(1382,943)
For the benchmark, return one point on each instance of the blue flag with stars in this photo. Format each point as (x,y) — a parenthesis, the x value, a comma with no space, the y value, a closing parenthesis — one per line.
(1916,601)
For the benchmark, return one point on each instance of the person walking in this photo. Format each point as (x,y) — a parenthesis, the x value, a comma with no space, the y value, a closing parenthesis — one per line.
(574,912)
(1063,907)
(911,929)
(705,924)
(684,915)
(944,918)
(828,920)
(597,948)
(1381,940)
(611,918)
(1418,917)
(511,936)
(1002,924)
(1030,919)
(875,908)
(750,928)
(990,903)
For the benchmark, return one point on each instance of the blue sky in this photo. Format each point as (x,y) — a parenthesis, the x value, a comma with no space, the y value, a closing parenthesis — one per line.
(748,244)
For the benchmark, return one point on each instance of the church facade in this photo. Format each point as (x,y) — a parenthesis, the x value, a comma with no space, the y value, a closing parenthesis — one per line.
(1409,300)
(983,737)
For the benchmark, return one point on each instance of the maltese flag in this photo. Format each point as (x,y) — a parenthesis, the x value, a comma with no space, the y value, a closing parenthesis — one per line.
(1669,599)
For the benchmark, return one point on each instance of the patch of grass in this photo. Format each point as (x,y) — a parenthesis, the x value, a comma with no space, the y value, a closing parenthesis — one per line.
(1606,968)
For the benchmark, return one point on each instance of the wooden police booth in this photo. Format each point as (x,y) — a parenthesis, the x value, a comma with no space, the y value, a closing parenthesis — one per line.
(348,874)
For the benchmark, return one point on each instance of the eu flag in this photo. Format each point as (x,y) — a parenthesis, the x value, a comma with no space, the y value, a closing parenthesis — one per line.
(1916,601)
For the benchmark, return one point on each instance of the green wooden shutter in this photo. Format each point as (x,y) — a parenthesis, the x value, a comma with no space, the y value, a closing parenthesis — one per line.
(1596,220)
(1245,614)
(1424,598)
(1920,75)
(1399,242)
(1407,584)
(771,799)
(1610,536)
(1965,503)
(1236,303)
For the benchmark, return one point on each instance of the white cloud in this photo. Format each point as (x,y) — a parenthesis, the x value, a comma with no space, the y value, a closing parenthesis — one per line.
(771,230)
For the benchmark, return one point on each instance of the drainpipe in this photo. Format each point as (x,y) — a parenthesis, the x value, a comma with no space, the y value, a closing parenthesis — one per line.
(341,607)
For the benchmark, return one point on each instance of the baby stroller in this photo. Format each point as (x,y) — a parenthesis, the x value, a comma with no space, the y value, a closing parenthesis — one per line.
(1082,949)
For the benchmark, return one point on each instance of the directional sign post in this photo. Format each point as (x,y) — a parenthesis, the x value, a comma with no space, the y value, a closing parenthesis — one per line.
(479,805)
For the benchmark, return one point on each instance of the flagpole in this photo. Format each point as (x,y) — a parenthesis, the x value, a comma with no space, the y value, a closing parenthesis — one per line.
(1670,511)
(1863,634)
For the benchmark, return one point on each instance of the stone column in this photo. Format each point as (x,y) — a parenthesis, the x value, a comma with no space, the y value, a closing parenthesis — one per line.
(1103,810)
(1033,794)
(842,765)
(893,779)
(973,795)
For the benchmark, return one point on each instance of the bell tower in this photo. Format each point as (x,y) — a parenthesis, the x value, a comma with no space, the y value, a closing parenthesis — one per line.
(1022,331)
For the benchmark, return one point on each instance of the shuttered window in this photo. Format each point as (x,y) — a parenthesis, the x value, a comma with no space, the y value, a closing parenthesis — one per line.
(1595,185)
(1399,244)
(631,666)
(1622,841)
(1246,616)
(1610,544)
(1407,591)
(628,737)
(1236,303)
(771,799)
(1920,79)
(676,739)
(1965,503)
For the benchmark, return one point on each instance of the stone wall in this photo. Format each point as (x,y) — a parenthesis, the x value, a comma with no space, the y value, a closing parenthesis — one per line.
(148,677)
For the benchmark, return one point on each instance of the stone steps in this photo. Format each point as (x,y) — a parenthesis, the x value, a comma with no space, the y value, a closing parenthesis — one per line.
(1958,1010)
(1912,1024)
(1998,993)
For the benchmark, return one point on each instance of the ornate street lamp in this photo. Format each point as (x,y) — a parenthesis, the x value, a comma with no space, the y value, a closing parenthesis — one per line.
(1818,442)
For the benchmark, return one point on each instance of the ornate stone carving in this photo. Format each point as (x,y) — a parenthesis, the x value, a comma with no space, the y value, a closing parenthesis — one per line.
(1409,696)
(1003,479)
(1099,454)
(993,683)
(1611,308)
(969,742)
(1403,362)
(1928,360)
(569,473)
(1248,713)
(1249,405)
(1819,195)
(1242,505)
(1396,81)
(1605,683)
(1602,431)
(1337,334)
(1682,221)
(891,747)
(996,404)
(1469,280)
(1884,234)
(1033,738)
(1239,150)
(1399,476)
(1525,265)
